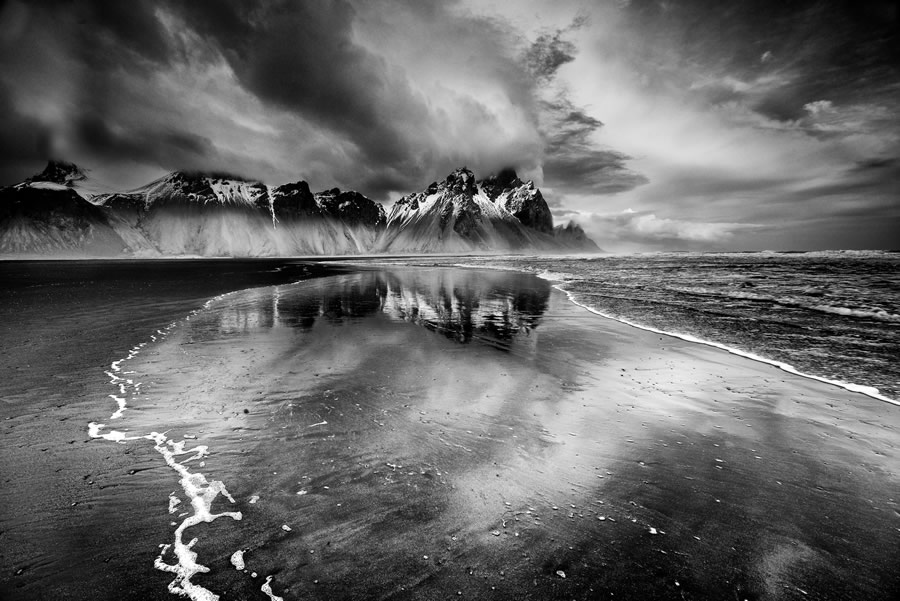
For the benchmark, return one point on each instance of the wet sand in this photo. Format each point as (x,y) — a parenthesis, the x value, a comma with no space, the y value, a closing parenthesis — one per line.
(428,433)
(65,532)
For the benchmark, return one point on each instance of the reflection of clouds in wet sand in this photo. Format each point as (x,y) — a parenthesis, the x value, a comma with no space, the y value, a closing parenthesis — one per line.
(232,346)
(526,439)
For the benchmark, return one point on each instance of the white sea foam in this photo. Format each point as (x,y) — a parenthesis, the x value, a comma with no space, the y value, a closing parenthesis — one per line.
(200,491)
(267,589)
(113,435)
(870,391)
(237,560)
(870,313)
(555,276)
(120,401)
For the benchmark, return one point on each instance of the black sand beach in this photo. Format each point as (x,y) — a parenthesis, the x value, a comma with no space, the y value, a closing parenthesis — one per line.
(420,433)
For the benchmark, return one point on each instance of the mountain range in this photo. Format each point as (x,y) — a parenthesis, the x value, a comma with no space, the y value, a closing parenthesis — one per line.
(61,212)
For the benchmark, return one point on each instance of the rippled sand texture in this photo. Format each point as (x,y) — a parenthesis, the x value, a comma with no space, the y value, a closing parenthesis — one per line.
(417,433)
(69,528)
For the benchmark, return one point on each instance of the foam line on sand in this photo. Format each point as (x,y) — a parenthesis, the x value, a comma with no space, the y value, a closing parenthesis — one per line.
(869,391)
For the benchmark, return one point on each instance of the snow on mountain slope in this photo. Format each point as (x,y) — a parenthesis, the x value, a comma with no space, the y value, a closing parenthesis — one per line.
(40,220)
(501,213)
(208,215)
(61,176)
(450,216)
(215,215)
(521,199)
(198,188)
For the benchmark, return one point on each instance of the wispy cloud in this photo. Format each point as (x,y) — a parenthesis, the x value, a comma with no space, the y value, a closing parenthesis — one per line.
(646,229)
(573,161)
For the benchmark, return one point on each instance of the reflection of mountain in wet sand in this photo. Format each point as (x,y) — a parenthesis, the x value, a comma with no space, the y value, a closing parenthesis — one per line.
(370,458)
(497,309)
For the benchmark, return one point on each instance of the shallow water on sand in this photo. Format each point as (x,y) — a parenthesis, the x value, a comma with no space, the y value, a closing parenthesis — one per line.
(832,315)
(66,526)
(425,432)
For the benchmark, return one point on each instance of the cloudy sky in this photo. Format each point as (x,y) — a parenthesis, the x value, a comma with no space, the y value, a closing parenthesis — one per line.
(656,124)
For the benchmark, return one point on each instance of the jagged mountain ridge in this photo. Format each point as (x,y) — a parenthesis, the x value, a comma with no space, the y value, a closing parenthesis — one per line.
(59,172)
(281,202)
(460,214)
(204,214)
(220,215)
(521,199)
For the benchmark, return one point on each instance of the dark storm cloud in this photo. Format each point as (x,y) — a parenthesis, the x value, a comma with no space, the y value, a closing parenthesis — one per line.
(573,162)
(104,33)
(72,67)
(783,55)
(302,56)
(591,171)
(24,142)
(381,98)
(877,165)
(21,137)
(131,25)
(550,51)
(168,148)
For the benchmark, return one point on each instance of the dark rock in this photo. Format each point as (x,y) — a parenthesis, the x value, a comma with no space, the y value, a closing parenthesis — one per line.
(573,236)
(521,199)
(352,208)
(294,200)
(59,172)
(41,221)
(527,204)
(461,182)
(411,200)
(503,181)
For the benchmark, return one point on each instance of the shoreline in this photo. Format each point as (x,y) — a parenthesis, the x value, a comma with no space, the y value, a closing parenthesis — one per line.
(559,282)
(869,391)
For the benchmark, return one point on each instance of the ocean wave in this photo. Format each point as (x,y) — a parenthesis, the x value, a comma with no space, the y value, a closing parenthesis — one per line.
(559,276)
(877,313)
(871,313)
(829,253)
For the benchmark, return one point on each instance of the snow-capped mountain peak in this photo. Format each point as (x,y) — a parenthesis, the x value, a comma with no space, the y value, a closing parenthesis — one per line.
(461,214)
(522,199)
(203,188)
(351,207)
(208,214)
(60,175)
(59,172)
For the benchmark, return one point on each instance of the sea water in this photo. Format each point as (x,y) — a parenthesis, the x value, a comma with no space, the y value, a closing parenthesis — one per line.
(831,315)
